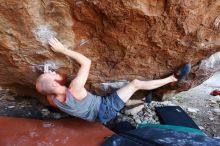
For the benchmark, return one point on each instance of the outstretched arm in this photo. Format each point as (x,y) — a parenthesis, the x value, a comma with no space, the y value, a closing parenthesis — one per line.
(77,85)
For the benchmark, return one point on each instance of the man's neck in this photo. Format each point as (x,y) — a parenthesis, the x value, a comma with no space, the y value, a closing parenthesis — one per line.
(61,94)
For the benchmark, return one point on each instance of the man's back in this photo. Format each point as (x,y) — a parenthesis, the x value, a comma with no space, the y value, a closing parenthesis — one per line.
(87,108)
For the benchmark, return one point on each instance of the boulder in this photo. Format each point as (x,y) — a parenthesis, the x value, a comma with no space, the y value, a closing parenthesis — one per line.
(125,39)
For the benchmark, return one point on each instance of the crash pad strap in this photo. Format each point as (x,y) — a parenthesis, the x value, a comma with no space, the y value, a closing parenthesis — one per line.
(176,128)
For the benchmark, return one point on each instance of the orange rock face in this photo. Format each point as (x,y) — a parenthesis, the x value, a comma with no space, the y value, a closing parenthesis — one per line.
(125,39)
(66,132)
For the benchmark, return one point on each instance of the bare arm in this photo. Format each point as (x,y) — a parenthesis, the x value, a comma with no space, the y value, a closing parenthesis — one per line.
(77,85)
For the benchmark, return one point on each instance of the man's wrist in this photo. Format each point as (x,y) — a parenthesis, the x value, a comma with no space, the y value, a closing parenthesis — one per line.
(65,51)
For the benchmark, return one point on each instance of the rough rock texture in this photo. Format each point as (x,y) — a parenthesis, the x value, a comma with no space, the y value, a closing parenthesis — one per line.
(125,39)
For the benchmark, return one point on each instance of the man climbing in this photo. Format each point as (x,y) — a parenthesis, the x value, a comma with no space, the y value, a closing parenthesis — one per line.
(75,100)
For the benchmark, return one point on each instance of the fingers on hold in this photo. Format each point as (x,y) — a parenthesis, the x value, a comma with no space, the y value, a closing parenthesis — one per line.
(55,43)
(51,39)
(56,39)
(50,42)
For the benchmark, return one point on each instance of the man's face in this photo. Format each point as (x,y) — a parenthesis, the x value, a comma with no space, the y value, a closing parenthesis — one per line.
(49,82)
(58,78)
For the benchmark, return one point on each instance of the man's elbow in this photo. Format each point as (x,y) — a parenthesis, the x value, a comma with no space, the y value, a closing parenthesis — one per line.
(88,62)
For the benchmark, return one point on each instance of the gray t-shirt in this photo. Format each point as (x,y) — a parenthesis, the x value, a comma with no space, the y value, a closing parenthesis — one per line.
(86,109)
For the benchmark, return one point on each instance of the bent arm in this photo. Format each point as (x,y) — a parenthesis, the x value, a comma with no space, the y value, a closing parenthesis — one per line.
(81,59)
(77,85)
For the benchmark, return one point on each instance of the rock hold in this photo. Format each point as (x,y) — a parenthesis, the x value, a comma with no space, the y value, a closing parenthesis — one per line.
(216,111)
(193,110)
(45,112)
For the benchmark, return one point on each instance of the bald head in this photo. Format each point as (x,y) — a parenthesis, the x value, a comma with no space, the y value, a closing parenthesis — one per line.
(46,83)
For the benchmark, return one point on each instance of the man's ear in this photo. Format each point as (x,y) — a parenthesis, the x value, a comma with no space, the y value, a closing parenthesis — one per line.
(55,84)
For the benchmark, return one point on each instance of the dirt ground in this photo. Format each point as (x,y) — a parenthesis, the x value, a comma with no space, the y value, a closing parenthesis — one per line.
(26,107)
(203,107)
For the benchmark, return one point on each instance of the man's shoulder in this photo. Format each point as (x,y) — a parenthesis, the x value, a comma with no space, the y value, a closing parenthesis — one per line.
(77,94)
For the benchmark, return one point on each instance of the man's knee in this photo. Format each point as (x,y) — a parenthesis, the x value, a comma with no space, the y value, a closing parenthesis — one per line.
(135,83)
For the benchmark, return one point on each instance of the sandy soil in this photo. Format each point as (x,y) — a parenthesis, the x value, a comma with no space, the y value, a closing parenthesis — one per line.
(203,107)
